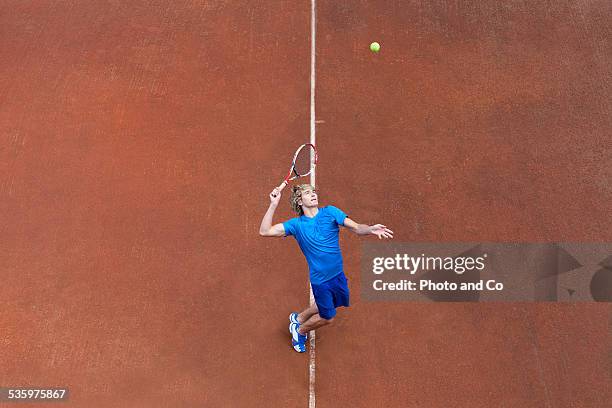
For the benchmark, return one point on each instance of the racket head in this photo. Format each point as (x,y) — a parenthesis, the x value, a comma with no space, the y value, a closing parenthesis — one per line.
(304,160)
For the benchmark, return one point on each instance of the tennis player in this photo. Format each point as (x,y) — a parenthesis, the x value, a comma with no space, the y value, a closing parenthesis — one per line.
(316,231)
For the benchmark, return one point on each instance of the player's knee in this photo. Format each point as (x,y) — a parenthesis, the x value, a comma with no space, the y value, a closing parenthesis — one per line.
(329,321)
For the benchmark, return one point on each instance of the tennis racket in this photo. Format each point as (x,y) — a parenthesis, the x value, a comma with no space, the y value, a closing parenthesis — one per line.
(304,162)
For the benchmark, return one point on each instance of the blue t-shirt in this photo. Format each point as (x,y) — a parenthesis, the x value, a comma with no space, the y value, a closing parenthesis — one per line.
(318,239)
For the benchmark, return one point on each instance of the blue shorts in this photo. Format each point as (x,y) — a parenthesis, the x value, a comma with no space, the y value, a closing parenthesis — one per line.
(331,294)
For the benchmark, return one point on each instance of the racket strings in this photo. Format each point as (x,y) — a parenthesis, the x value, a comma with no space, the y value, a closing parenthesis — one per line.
(303,163)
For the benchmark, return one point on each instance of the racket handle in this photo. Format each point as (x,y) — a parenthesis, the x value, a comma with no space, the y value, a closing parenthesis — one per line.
(283,185)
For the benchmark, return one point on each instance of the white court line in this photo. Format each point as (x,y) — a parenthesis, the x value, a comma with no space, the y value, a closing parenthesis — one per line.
(311,356)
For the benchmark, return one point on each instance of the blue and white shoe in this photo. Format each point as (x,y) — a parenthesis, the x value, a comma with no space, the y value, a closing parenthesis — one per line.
(293,318)
(298,341)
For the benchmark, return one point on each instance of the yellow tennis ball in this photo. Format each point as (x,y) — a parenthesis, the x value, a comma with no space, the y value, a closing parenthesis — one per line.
(375,47)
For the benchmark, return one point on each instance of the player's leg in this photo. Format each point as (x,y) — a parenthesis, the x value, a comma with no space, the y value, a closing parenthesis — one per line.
(314,323)
(326,311)
(300,318)
(308,313)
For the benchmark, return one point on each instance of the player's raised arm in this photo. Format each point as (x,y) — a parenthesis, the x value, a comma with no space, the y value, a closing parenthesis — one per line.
(266,229)
(379,230)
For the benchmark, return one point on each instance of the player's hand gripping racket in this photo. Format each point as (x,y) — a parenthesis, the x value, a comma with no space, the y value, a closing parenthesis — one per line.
(304,162)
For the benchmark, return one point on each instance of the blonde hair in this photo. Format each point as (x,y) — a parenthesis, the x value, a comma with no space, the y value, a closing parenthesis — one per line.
(296,194)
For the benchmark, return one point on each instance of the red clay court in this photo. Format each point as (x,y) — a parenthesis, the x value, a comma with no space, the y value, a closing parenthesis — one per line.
(139,142)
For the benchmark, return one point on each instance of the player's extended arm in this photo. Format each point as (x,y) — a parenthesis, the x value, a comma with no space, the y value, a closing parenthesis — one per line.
(266,229)
(362,229)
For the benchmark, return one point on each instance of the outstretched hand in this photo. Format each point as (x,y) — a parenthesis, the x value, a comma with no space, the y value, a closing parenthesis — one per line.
(381,231)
